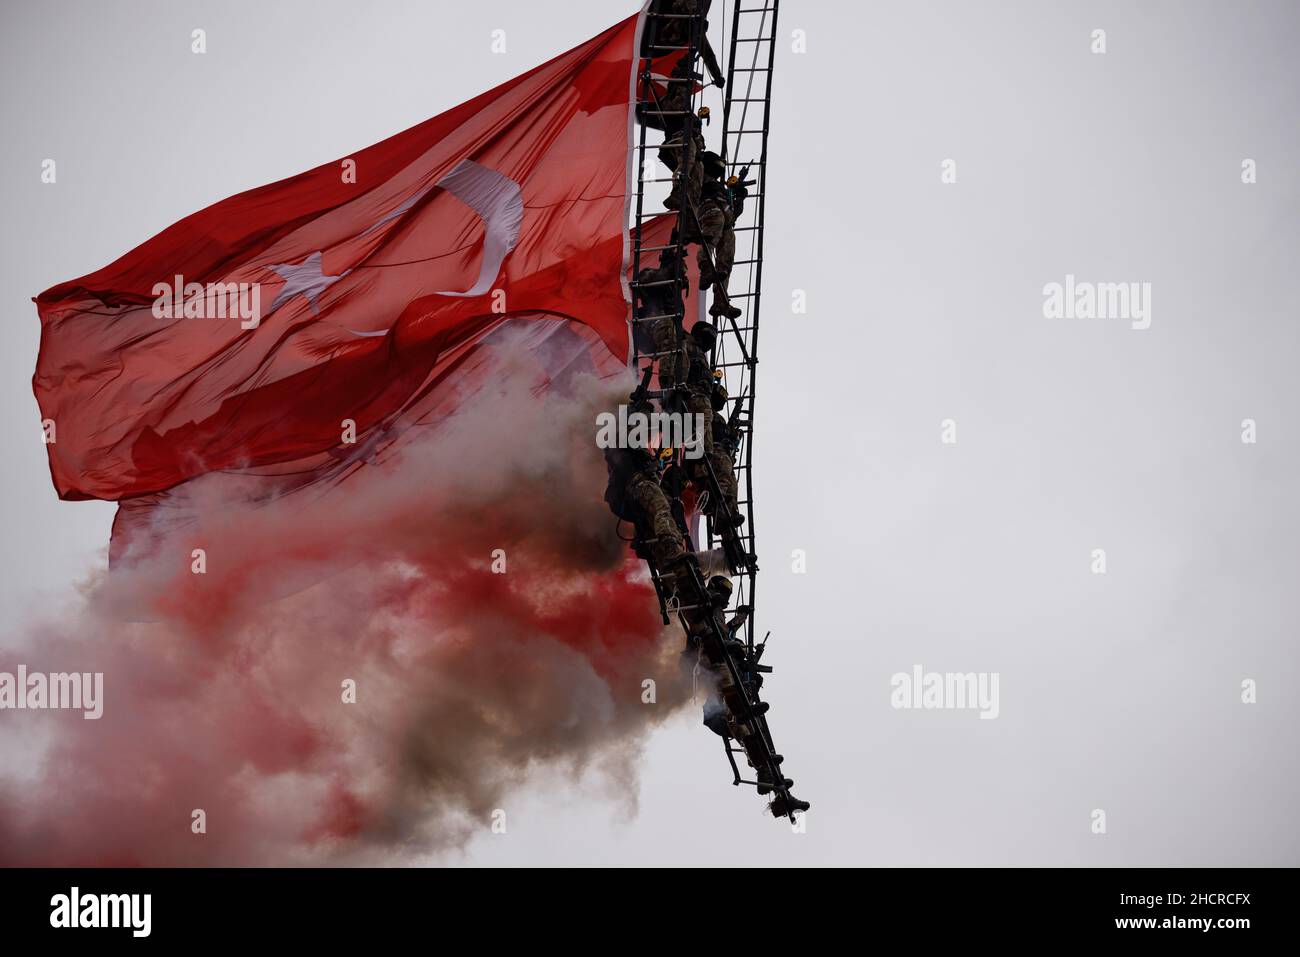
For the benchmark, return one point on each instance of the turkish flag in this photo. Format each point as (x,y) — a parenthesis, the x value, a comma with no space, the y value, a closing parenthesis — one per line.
(540,353)
(374,279)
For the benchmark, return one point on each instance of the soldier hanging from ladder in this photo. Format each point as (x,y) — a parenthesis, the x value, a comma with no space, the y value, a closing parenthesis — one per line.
(651,487)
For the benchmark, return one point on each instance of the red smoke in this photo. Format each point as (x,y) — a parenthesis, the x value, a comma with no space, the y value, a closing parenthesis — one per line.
(223,691)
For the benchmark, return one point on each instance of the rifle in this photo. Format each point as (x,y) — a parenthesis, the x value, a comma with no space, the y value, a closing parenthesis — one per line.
(642,392)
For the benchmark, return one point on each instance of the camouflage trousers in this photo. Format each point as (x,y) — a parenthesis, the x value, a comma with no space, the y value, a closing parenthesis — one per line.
(667,344)
(680,154)
(667,544)
(676,30)
(698,403)
(718,230)
(725,471)
(723,468)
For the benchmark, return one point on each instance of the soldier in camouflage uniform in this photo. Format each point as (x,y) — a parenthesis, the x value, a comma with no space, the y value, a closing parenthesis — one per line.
(681,153)
(634,494)
(721,204)
(665,540)
(704,396)
(725,445)
(699,384)
(676,30)
(659,303)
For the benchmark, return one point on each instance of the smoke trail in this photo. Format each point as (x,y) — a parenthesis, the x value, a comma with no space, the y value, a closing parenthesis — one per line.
(228,697)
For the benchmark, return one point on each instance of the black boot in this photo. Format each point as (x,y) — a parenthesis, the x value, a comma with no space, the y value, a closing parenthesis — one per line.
(681,565)
(787,804)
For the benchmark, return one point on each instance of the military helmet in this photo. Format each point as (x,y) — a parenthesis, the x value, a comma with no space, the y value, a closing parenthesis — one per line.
(714,165)
(720,395)
(704,333)
(720,588)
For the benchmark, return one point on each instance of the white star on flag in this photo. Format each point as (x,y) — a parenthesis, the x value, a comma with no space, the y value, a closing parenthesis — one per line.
(306,278)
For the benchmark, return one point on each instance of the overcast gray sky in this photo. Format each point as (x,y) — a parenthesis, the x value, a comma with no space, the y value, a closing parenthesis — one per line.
(925,302)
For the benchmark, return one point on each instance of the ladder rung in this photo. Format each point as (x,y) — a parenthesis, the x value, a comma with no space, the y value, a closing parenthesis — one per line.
(653,215)
(656,112)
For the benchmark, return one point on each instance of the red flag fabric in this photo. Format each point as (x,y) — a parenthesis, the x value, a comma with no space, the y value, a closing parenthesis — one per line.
(545,352)
(244,336)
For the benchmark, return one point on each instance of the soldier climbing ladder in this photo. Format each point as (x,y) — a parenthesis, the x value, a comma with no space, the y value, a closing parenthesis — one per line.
(676,30)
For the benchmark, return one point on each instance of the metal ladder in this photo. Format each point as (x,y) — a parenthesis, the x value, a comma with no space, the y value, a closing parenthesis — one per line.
(646,100)
(745,123)
(746,119)
(744,142)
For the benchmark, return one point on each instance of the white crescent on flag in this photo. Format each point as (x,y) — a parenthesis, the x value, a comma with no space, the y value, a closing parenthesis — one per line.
(499,202)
